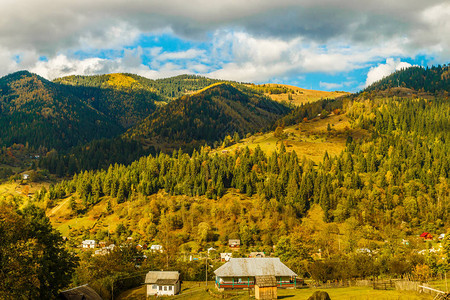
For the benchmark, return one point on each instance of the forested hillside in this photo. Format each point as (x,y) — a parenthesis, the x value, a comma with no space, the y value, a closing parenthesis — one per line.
(209,115)
(434,79)
(166,88)
(398,175)
(128,107)
(41,113)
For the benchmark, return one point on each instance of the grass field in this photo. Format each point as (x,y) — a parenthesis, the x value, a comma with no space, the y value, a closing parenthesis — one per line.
(196,291)
(24,190)
(301,96)
(310,139)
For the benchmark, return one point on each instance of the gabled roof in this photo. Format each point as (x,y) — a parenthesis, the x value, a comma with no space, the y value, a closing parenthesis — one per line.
(271,266)
(166,281)
(83,292)
(153,277)
(425,234)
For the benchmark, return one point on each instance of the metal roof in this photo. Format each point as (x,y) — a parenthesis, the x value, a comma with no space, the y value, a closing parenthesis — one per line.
(83,292)
(254,267)
(166,281)
(154,276)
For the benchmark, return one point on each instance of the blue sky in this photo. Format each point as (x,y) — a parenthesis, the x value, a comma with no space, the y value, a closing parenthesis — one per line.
(321,44)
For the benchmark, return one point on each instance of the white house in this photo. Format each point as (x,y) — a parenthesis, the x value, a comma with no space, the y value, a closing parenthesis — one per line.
(225,256)
(163,283)
(156,248)
(91,244)
(25,176)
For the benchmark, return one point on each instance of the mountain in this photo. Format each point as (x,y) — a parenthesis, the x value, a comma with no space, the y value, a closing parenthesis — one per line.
(167,88)
(434,79)
(118,96)
(39,112)
(210,115)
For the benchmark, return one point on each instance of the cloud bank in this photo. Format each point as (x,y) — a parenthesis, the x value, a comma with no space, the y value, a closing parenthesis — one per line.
(245,41)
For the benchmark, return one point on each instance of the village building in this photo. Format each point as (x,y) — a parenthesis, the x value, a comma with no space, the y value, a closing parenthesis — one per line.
(234,244)
(25,176)
(241,273)
(163,283)
(88,244)
(83,292)
(256,254)
(225,256)
(441,236)
(105,250)
(426,236)
(156,248)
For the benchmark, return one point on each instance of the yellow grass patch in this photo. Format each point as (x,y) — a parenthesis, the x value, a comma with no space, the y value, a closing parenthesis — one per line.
(301,95)
(310,139)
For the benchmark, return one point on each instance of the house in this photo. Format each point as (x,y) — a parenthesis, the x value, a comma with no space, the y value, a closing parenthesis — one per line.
(25,176)
(163,283)
(265,287)
(441,236)
(89,244)
(105,250)
(234,244)
(256,254)
(83,292)
(225,256)
(241,273)
(156,248)
(426,236)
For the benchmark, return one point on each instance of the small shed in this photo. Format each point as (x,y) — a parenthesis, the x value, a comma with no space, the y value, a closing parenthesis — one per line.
(265,287)
(83,292)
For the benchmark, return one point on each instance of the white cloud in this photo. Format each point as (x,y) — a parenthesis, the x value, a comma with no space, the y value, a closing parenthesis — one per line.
(383,70)
(244,57)
(330,85)
(188,54)
(61,65)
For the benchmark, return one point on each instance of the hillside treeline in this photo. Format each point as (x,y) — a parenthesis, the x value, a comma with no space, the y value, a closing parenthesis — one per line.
(166,88)
(400,174)
(434,79)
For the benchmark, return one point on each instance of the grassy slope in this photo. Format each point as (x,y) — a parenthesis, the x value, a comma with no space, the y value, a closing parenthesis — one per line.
(65,221)
(196,290)
(303,95)
(20,189)
(310,139)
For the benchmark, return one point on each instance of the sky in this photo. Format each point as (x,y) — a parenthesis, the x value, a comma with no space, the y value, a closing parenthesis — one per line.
(314,44)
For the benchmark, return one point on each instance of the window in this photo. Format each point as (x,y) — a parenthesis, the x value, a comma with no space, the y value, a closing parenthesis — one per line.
(154,287)
(160,288)
(170,288)
(165,288)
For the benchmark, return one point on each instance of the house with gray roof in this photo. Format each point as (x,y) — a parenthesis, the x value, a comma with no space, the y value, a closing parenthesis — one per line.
(163,283)
(241,273)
